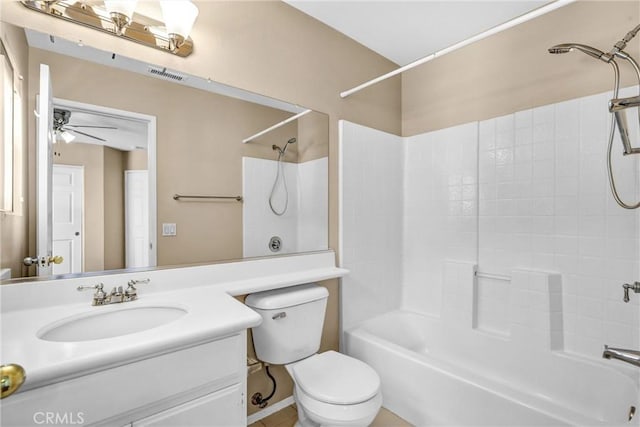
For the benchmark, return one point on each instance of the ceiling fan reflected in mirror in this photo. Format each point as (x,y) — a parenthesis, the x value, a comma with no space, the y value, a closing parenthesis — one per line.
(65,132)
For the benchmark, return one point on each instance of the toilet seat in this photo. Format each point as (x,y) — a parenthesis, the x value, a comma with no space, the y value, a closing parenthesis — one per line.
(335,379)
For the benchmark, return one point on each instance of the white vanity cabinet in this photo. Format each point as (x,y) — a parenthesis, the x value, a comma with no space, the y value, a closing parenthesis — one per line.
(201,385)
(220,408)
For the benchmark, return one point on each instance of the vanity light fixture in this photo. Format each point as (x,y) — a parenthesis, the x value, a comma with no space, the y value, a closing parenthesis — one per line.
(121,13)
(179,17)
(118,18)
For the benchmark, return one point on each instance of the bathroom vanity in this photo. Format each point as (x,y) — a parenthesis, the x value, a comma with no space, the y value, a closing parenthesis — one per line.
(169,358)
(183,387)
(176,355)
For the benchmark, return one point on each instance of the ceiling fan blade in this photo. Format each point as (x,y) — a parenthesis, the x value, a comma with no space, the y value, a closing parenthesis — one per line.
(88,126)
(86,134)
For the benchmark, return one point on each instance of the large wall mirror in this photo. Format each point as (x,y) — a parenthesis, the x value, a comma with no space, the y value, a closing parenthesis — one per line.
(133,143)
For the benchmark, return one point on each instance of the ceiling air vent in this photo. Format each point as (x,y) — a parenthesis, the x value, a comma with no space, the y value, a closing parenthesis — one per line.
(162,72)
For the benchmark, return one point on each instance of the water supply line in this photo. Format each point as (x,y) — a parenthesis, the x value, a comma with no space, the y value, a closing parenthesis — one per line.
(257,398)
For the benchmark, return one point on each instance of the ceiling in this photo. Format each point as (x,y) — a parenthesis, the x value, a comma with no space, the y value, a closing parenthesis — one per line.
(403,31)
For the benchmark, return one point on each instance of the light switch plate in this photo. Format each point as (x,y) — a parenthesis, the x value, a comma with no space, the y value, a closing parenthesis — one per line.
(168,229)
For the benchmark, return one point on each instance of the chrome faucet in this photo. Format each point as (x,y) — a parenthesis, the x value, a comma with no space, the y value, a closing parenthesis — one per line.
(117,295)
(629,356)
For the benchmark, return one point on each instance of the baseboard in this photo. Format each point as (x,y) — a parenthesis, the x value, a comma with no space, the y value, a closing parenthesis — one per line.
(272,409)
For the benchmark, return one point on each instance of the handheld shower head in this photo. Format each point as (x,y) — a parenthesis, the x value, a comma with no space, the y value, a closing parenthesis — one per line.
(559,49)
(281,151)
(591,51)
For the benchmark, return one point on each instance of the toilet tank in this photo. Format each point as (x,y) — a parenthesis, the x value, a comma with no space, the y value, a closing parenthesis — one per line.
(292,320)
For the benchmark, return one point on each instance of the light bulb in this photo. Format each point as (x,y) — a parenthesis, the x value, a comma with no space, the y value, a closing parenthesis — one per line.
(121,12)
(179,17)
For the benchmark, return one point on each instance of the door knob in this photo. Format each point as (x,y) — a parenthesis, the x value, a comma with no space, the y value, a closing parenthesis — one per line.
(30,260)
(12,378)
(56,259)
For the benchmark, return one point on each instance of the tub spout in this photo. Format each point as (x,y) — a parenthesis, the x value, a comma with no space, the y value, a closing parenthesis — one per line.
(629,356)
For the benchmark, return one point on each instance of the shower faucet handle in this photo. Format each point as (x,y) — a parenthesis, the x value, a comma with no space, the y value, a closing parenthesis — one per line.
(635,287)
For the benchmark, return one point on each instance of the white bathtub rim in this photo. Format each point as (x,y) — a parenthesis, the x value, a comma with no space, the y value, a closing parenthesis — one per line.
(539,402)
(629,371)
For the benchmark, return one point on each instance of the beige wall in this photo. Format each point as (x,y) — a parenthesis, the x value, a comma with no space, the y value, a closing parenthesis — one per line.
(14,226)
(512,70)
(312,131)
(136,160)
(114,161)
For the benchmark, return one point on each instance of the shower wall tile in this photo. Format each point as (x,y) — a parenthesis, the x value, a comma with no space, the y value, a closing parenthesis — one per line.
(441,208)
(313,210)
(573,226)
(259,224)
(459,293)
(526,191)
(304,226)
(536,310)
(371,222)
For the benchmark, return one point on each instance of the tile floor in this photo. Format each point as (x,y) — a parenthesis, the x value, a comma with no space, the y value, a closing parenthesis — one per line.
(287,418)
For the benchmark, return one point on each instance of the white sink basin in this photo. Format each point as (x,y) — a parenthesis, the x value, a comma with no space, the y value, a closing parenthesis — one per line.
(108,324)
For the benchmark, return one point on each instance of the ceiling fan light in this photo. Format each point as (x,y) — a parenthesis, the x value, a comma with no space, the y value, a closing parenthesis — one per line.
(179,17)
(64,136)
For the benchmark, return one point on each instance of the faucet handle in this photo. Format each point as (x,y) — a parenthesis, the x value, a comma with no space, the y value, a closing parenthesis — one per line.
(132,293)
(99,297)
(98,287)
(635,287)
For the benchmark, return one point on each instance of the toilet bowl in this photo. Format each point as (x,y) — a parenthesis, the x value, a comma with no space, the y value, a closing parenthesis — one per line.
(330,388)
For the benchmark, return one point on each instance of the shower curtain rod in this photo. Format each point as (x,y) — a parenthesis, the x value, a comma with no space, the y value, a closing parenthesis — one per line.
(276,126)
(494,30)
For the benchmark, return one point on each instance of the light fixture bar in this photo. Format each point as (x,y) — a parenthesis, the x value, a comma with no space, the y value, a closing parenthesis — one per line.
(141,29)
(276,126)
(494,30)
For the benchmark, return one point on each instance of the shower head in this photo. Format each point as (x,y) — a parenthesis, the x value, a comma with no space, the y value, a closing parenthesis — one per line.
(281,151)
(591,51)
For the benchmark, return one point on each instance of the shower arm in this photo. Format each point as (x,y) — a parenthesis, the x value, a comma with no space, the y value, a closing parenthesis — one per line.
(622,44)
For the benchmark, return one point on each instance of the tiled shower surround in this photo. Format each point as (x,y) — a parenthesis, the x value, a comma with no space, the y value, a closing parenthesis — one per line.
(303,227)
(524,192)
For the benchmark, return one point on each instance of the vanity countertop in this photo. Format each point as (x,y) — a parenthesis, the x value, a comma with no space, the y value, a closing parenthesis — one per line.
(211,314)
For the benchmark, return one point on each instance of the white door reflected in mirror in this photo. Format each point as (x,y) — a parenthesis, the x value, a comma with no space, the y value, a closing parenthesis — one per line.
(67,191)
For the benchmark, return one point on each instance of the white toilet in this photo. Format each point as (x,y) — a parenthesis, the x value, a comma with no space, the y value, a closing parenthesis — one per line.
(331,389)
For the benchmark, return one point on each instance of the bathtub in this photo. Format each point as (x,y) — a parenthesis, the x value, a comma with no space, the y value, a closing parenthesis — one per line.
(437,375)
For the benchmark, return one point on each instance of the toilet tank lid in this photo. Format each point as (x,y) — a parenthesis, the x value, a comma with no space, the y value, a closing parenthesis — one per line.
(286,297)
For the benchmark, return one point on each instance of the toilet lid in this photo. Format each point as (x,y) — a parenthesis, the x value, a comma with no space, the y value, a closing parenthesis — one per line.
(332,377)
